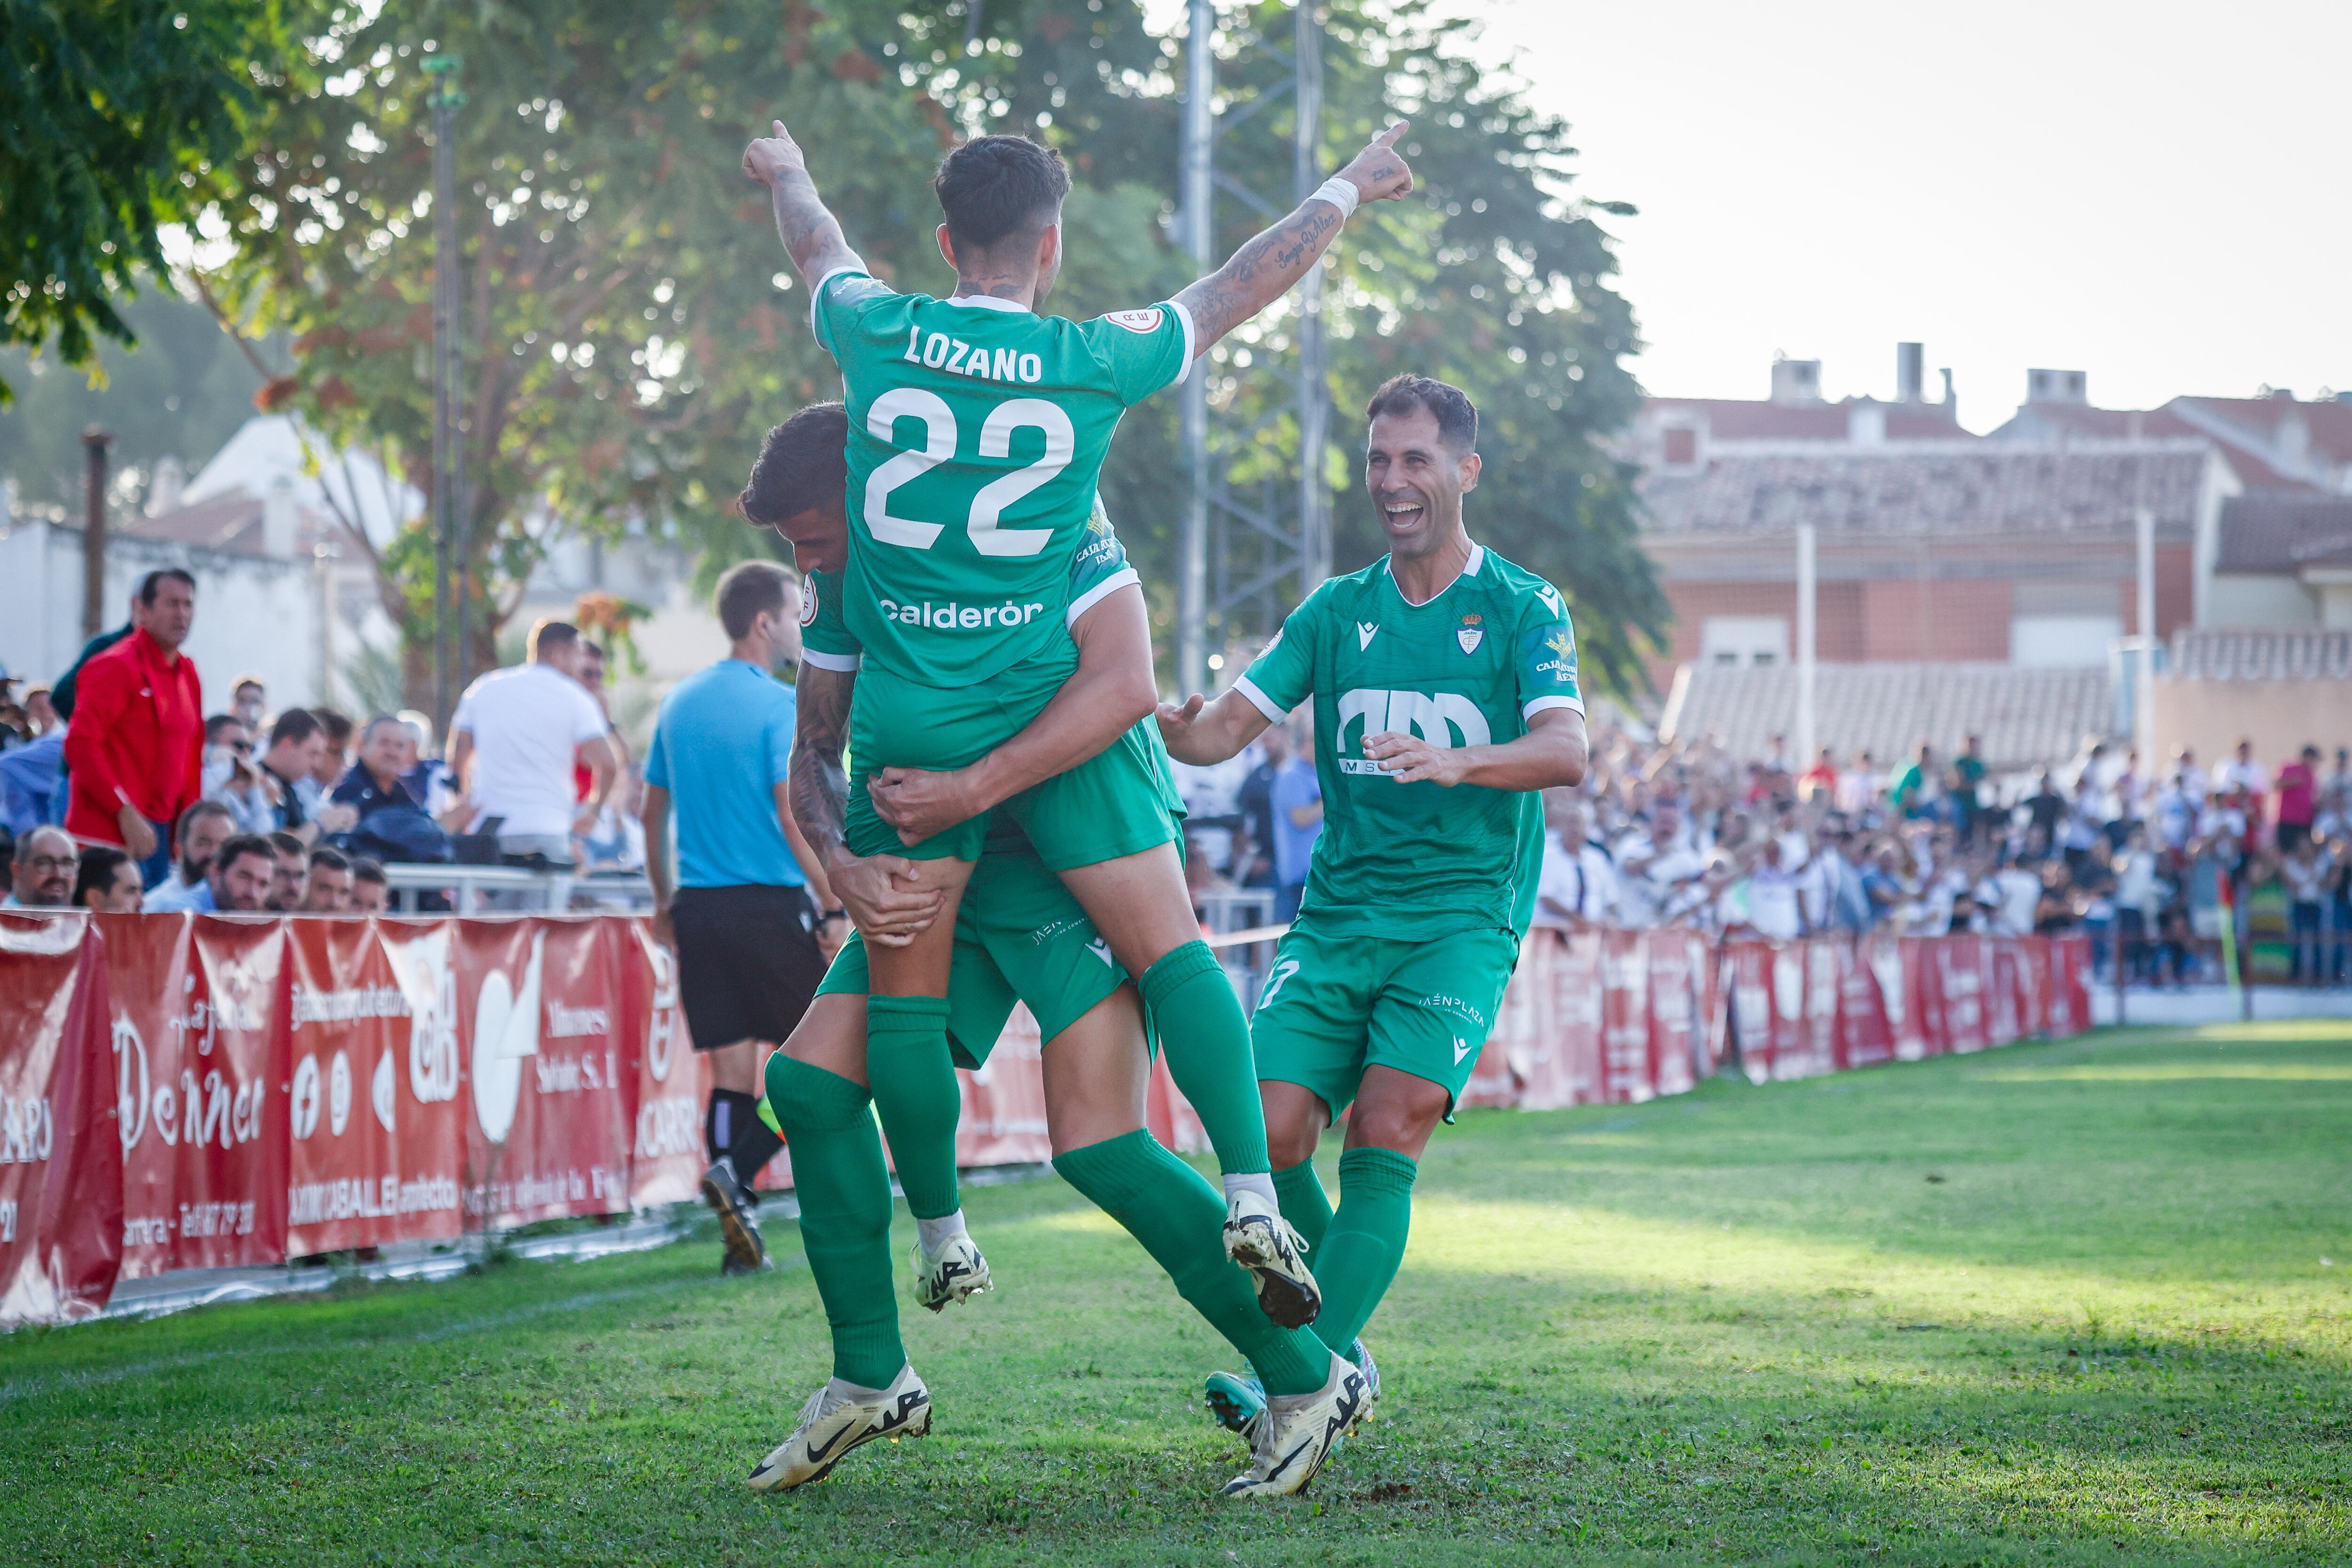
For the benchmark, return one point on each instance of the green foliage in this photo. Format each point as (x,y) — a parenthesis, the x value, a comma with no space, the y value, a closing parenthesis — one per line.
(1738,1326)
(183,393)
(117,115)
(633,327)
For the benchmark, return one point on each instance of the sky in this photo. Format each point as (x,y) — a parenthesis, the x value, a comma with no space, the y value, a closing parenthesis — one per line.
(2154,192)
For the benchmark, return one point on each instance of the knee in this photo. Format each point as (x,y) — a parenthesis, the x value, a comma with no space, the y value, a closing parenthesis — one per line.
(1398,1117)
(1291,1145)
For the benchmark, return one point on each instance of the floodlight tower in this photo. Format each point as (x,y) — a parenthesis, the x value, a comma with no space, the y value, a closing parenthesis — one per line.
(1285,537)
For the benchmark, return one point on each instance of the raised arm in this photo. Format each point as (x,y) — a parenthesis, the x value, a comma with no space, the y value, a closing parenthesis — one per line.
(1105,696)
(869,888)
(809,232)
(1205,734)
(1263,270)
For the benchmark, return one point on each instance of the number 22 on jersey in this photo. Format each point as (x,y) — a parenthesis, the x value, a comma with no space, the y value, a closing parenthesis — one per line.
(940,438)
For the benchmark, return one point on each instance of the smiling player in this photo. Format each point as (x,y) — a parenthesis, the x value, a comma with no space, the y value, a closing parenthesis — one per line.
(1444,679)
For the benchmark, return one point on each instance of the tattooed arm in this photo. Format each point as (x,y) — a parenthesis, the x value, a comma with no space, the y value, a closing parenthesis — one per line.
(1263,270)
(809,232)
(883,893)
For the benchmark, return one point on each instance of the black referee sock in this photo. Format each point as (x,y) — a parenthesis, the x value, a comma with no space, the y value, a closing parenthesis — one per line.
(723,1122)
(754,1144)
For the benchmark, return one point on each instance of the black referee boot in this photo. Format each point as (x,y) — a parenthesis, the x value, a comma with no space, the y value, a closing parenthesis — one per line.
(738,1225)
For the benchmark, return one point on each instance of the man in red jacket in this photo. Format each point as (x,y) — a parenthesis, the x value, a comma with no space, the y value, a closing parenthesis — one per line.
(134,750)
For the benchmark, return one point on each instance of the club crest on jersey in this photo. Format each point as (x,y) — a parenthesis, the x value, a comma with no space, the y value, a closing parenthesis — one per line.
(1470,634)
(1140,321)
(1364,634)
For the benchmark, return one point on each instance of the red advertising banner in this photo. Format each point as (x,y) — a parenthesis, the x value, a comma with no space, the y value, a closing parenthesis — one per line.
(2069,985)
(377,1152)
(539,999)
(60,1175)
(197,1031)
(1678,1028)
(1625,1018)
(666,1158)
(1919,1031)
(1865,1036)
(1003,1118)
(1748,1001)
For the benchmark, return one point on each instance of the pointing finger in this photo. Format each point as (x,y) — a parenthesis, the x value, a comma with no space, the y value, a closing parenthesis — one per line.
(1385,139)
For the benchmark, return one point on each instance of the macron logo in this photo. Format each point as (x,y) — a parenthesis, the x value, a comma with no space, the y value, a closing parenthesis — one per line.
(1461,1049)
(1364,631)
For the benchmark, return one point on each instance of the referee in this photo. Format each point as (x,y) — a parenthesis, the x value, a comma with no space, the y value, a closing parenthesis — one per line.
(741,915)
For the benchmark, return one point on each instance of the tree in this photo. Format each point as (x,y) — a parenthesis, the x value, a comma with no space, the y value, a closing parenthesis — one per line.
(632,329)
(119,116)
(631,326)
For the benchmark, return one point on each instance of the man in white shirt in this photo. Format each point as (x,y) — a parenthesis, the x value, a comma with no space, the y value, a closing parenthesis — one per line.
(1579,882)
(511,745)
(2242,771)
(1657,876)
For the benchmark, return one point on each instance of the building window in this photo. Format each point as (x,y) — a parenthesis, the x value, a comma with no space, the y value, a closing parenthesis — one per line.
(1682,446)
(1739,641)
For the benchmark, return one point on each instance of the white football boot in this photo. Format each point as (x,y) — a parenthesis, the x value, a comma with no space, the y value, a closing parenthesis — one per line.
(832,1422)
(1295,1433)
(1259,1239)
(956,1272)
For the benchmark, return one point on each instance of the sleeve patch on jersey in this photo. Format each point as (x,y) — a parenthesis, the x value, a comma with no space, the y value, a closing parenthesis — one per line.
(808,604)
(1144,322)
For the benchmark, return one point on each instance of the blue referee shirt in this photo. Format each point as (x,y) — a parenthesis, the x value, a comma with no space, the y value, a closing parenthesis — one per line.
(720,747)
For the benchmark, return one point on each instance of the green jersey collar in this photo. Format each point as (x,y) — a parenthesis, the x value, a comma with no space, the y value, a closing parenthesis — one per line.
(988,302)
(1470,569)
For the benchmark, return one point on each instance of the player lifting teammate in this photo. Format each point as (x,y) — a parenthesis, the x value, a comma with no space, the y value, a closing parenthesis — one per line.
(977,431)
(1019,933)
(1444,679)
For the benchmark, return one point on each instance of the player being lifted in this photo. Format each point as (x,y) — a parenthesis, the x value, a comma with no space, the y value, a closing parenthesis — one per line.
(977,431)
(1445,686)
(1019,933)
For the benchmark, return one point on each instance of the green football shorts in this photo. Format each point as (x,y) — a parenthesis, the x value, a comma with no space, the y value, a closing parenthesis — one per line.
(1019,935)
(1118,802)
(1333,1006)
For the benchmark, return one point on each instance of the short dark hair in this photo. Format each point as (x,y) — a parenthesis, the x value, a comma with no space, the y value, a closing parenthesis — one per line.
(338,726)
(152,583)
(993,187)
(333,859)
(241,845)
(802,462)
(294,726)
(285,844)
(551,634)
(216,723)
(99,864)
(1456,415)
(749,589)
(366,870)
(203,808)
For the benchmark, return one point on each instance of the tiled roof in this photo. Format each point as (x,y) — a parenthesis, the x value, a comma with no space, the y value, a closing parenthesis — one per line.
(1922,488)
(2277,532)
(232,522)
(2328,423)
(2223,654)
(2058,421)
(1737,419)
(2026,716)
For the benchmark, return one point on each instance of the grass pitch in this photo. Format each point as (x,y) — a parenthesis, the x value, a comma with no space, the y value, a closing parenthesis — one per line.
(2048,1305)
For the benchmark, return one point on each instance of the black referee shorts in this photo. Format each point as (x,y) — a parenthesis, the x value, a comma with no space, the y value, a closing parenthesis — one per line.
(747,962)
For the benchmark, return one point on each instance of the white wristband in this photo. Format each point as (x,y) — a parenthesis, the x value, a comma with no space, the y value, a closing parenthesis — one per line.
(1340,193)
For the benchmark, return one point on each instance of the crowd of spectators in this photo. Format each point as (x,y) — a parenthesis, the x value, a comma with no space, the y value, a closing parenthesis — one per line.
(118,792)
(2151,862)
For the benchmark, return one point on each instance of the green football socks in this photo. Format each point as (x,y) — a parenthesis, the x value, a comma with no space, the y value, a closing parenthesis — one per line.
(1307,1208)
(1180,1219)
(915,1093)
(844,1196)
(1207,1040)
(1359,1253)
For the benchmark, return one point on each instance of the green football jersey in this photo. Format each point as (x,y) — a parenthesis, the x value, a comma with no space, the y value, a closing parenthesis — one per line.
(977,430)
(1099,567)
(1470,668)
